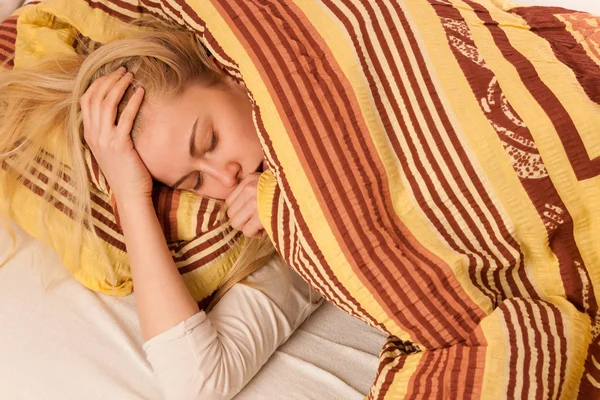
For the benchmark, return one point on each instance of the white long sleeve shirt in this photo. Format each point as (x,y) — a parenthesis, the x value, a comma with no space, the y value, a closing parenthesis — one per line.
(212,356)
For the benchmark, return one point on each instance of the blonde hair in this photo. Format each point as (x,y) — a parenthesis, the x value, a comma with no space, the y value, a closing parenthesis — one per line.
(39,110)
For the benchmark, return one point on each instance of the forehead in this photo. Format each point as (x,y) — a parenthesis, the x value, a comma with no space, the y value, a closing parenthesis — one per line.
(163,142)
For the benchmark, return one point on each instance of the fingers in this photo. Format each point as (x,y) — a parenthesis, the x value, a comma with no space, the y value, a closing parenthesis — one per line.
(98,90)
(111,102)
(247,221)
(91,100)
(241,187)
(243,209)
(253,229)
(99,105)
(128,115)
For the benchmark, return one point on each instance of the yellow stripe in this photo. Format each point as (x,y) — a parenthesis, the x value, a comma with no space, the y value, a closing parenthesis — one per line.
(470,123)
(298,181)
(203,281)
(187,211)
(525,220)
(400,383)
(497,356)
(32,27)
(578,331)
(582,199)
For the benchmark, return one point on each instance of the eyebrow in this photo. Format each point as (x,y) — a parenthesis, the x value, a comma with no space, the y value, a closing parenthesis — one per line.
(192,152)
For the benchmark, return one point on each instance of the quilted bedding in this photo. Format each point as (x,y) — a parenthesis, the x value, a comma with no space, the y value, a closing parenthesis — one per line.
(433,171)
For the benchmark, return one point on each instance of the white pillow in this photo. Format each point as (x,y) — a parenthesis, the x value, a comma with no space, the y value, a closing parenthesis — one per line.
(7,7)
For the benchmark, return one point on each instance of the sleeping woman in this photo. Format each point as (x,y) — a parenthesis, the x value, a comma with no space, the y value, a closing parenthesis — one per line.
(151,108)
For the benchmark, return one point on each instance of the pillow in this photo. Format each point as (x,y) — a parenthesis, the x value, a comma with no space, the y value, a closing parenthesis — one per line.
(199,239)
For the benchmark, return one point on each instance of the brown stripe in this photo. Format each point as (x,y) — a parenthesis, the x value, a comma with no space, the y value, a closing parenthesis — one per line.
(427,381)
(449,162)
(479,78)
(340,189)
(7,38)
(10,21)
(8,51)
(373,155)
(66,178)
(544,23)
(563,348)
(562,241)
(513,348)
(453,360)
(582,165)
(441,229)
(538,326)
(340,186)
(526,349)
(452,166)
(551,352)
(69,213)
(391,374)
(300,224)
(299,221)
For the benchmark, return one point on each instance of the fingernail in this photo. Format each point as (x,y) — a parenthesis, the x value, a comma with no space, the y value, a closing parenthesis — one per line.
(121,69)
(129,75)
(139,91)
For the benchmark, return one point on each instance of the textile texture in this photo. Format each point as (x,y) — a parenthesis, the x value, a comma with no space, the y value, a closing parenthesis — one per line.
(433,171)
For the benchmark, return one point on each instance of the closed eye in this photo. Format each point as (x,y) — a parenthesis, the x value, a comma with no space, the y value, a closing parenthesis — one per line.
(198,181)
(213,142)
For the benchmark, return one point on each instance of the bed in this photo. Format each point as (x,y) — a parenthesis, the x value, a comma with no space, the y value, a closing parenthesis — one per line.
(66,342)
(61,341)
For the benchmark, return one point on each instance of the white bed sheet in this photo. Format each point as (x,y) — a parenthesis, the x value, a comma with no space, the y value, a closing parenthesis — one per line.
(67,342)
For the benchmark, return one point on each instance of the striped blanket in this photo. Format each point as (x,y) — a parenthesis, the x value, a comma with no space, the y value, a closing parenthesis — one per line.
(433,170)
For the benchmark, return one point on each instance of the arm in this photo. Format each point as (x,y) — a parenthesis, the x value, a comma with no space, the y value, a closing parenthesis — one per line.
(192,355)
(161,295)
(214,356)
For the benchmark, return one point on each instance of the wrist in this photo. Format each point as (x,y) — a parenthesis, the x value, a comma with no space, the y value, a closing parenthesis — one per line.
(130,203)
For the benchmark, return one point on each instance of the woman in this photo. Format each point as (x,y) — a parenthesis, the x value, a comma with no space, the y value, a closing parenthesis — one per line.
(192,128)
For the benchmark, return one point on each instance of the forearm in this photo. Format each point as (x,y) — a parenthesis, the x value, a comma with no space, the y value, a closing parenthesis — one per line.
(162,298)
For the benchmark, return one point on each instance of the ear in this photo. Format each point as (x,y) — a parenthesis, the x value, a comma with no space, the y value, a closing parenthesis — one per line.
(228,79)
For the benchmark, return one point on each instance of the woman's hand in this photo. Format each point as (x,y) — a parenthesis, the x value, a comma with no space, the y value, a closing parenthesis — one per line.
(242,207)
(111,144)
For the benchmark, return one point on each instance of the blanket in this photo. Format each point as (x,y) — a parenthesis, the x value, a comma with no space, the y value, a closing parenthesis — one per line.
(433,171)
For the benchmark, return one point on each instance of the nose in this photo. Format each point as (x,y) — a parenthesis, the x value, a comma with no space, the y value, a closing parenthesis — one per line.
(228,175)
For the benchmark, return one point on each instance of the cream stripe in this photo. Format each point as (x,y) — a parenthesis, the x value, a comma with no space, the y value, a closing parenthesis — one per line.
(593,381)
(449,145)
(489,219)
(558,352)
(465,228)
(543,349)
(529,328)
(517,348)
(204,238)
(187,210)
(115,8)
(206,216)
(191,259)
(484,140)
